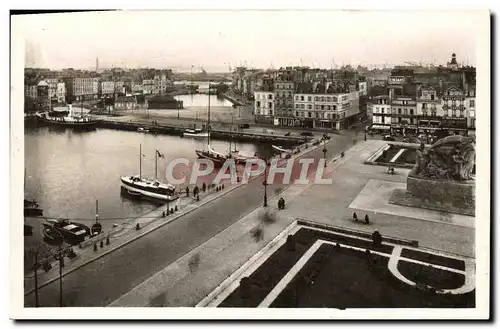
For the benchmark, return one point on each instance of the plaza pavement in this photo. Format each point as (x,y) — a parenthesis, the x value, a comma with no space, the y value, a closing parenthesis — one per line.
(192,277)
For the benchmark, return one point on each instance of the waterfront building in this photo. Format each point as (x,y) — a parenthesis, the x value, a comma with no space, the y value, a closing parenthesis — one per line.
(125,103)
(404,111)
(43,98)
(120,87)
(264,104)
(148,86)
(61,93)
(284,89)
(85,88)
(107,88)
(52,82)
(31,91)
(137,87)
(454,109)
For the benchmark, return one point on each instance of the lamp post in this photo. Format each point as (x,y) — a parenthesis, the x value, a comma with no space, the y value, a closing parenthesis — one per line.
(265,184)
(324,148)
(366,128)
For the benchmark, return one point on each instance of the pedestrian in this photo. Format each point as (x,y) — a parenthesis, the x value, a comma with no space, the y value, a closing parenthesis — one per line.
(376,238)
(204,187)
(367,219)
(355,216)
(187,190)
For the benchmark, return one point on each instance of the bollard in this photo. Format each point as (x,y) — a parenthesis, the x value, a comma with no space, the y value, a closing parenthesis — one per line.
(101,244)
(171,210)
(176,208)
(107,240)
(222,186)
(137,226)
(95,246)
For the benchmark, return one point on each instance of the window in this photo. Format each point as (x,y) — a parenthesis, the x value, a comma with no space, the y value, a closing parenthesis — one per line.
(309,106)
(472,103)
(405,111)
(328,107)
(309,98)
(258,103)
(296,98)
(270,105)
(302,106)
(316,99)
(296,113)
(302,98)
(334,99)
(316,107)
(433,112)
(328,99)
(271,112)
(454,113)
(424,112)
(309,114)
(399,111)
(322,107)
(424,106)
(411,111)
(453,102)
(270,96)
(322,99)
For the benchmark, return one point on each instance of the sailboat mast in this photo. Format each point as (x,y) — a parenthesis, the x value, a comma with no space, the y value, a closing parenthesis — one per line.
(156,165)
(140,161)
(209,128)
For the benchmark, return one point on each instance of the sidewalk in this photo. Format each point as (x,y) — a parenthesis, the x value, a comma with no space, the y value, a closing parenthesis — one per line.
(189,279)
(195,275)
(126,232)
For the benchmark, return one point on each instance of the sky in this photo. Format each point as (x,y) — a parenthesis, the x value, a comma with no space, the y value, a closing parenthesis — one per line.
(217,40)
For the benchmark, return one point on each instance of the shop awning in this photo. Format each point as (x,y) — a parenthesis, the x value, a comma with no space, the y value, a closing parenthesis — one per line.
(380,127)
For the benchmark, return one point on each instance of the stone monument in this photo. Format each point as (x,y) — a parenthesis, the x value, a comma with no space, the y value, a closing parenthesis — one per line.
(443,177)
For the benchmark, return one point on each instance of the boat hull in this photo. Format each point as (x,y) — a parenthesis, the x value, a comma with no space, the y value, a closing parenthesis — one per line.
(33,212)
(73,125)
(135,191)
(205,155)
(200,135)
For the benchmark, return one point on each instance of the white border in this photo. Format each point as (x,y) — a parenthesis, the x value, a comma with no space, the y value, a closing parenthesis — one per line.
(483,243)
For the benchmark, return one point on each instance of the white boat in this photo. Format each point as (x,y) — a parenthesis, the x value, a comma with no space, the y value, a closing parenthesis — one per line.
(242,156)
(197,133)
(138,185)
(142,130)
(280,149)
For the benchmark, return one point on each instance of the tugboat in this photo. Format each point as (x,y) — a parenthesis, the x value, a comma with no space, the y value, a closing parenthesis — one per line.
(72,233)
(70,120)
(138,185)
(32,208)
(196,133)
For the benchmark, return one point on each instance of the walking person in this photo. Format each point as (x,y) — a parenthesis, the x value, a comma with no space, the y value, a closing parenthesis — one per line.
(367,219)
(355,216)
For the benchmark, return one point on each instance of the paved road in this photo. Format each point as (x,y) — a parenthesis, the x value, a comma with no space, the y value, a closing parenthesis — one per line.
(106,279)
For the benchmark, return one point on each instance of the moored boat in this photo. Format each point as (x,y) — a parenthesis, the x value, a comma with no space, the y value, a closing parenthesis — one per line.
(196,133)
(32,208)
(70,120)
(71,232)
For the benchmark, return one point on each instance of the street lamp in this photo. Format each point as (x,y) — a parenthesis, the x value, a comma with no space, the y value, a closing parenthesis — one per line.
(265,184)
(324,148)
(366,128)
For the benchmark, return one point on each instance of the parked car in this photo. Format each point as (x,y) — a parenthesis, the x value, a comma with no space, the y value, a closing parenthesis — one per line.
(389,138)
(306,133)
(244,126)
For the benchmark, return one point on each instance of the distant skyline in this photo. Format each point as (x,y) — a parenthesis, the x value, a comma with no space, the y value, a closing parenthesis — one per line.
(217,40)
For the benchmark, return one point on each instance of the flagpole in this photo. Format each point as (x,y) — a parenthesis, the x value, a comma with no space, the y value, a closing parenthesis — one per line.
(156,165)
(140,161)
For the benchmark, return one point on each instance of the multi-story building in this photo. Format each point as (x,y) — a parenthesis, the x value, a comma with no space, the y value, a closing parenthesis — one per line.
(52,88)
(137,87)
(43,98)
(107,88)
(31,91)
(284,102)
(379,113)
(61,93)
(326,106)
(470,104)
(429,109)
(85,88)
(454,110)
(148,86)
(120,87)
(264,105)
